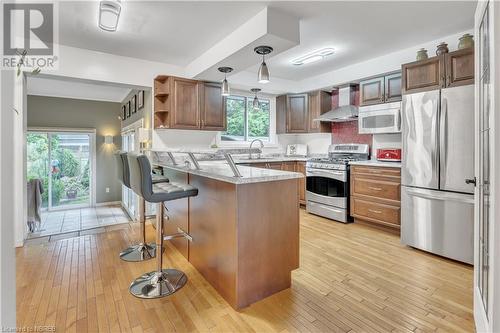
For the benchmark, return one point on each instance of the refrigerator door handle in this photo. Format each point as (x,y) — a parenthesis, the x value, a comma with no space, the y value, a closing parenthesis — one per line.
(443,196)
(398,119)
(443,139)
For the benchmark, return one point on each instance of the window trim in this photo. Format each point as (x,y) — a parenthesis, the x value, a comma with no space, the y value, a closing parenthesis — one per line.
(273,141)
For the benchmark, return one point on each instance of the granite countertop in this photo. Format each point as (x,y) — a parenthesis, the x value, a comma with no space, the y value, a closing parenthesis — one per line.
(377,163)
(220,170)
(269,159)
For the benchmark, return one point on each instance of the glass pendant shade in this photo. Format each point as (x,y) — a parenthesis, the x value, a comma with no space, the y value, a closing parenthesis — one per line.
(263,73)
(225,88)
(255,103)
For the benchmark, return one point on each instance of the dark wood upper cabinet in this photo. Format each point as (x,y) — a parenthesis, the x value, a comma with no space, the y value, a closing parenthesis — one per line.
(448,70)
(319,103)
(185,113)
(459,67)
(423,75)
(188,104)
(371,91)
(297,114)
(281,114)
(392,84)
(212,107)
(383,89)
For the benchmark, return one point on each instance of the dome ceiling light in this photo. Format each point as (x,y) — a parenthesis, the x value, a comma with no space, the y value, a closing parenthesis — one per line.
(109,14)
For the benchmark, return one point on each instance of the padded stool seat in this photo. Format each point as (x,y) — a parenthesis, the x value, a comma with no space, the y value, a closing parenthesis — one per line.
(171,191)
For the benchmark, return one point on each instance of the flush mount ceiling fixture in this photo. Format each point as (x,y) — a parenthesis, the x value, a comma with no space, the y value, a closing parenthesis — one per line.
(225,84)
(314,56)
(263,74)
(109,14)
(255,103)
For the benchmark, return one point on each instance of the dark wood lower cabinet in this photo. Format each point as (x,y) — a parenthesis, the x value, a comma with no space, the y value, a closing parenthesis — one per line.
(376,195)
(245,237)
(301,167)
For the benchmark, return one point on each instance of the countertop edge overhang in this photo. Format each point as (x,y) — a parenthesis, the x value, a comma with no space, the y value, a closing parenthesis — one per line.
(220,170)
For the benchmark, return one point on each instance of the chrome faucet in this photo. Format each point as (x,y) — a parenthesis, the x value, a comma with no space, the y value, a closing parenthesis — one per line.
(251,144)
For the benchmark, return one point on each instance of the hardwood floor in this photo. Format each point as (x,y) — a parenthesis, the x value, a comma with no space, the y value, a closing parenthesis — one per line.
(352,278)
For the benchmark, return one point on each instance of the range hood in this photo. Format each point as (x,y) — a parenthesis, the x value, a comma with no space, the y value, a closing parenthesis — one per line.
(346,111)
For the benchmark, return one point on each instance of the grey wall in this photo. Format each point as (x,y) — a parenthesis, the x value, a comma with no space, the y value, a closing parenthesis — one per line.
(145,112)
(76,113)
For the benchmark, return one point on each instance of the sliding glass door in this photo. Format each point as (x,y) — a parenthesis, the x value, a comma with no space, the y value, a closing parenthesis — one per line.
(63,163)
(129,198)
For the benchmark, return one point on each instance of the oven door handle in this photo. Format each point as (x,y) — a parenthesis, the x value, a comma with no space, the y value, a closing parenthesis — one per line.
(337,175)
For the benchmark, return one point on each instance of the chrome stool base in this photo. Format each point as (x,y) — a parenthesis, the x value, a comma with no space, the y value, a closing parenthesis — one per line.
(155,284)
(139,252)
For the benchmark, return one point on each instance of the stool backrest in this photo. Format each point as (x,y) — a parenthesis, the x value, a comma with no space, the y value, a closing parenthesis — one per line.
(119,166)
(126,169)
(140,175)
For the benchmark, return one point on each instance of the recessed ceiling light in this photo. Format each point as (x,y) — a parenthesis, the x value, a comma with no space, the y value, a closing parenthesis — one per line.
(314,56)
(109,14)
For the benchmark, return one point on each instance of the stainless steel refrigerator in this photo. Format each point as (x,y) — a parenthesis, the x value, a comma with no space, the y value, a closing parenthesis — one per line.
(437,175)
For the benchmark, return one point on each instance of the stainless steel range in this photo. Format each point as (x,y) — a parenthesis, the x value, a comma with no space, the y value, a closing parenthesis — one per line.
(327,181)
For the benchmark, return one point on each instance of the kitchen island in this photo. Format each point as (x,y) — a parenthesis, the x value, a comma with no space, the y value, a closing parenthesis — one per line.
(245,229)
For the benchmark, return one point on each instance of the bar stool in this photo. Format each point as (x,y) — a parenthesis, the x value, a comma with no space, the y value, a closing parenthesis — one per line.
(160,282)
(142,251)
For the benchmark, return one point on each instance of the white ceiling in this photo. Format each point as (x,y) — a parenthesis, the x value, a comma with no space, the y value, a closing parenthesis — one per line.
(164,31)
(180,32)
(41,85)
(363,30)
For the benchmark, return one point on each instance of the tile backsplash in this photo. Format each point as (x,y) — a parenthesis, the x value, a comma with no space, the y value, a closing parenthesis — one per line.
(347,132)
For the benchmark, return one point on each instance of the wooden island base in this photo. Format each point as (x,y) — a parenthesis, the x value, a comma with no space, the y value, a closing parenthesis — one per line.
(245,236)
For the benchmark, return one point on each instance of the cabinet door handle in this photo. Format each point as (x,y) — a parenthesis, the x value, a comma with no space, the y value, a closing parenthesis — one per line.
(375,211)
(203,123)
(375,188)
(448,80)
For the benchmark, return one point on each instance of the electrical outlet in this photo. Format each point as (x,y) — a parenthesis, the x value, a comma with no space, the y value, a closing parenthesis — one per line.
(107,189)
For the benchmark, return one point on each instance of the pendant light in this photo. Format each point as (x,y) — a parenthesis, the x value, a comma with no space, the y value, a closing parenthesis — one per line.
(225,84)
(263,75)
(255,103)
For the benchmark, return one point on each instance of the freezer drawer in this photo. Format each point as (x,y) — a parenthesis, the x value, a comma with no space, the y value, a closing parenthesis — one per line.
(438,222)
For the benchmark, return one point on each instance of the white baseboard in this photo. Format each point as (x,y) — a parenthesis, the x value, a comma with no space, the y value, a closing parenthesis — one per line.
(108,203)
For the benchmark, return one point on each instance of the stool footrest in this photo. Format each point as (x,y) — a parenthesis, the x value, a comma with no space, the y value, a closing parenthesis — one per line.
(180,233)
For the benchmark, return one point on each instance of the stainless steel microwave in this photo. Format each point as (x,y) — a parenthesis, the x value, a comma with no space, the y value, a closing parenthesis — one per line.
(380,118)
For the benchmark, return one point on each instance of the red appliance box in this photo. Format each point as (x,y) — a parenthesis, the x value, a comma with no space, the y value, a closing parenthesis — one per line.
(389,155)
